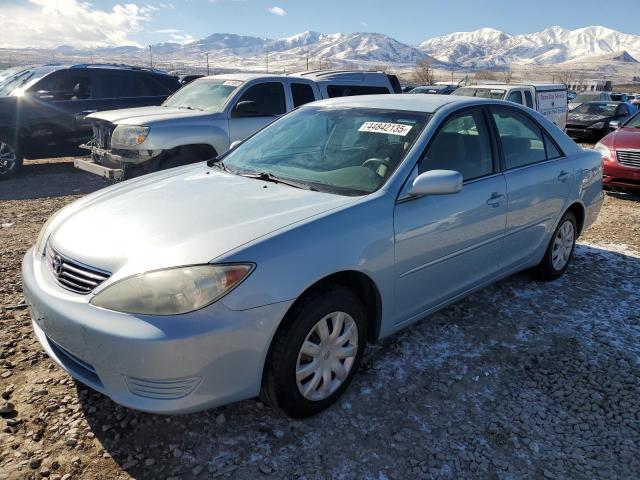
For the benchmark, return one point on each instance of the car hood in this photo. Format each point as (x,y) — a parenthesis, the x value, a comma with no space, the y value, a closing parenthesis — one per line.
(624,138)
(586,119)
(148,115)
(184,216)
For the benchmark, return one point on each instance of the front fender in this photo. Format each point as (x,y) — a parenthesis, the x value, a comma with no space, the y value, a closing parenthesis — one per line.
(168,136)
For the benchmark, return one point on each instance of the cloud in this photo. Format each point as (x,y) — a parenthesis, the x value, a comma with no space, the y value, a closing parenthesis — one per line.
(182,38)
(281,12)
(46,24)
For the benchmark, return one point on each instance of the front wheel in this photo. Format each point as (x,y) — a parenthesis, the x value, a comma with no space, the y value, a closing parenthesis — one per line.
(10,158)
(560,250)
(316,354)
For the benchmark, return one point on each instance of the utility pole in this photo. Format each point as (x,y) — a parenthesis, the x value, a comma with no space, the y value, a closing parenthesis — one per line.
(267,60)
(307,60)
(150,56)
(451,77)
(207,63)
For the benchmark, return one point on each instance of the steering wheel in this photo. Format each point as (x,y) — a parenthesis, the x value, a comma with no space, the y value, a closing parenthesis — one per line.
(374,163)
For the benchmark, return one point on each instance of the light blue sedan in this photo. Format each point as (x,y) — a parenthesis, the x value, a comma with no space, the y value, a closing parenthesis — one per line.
(268,270)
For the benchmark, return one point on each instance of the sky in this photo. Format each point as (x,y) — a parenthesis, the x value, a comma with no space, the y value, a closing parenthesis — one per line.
(97,23)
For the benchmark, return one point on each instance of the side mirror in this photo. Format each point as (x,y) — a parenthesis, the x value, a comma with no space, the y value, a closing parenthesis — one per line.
(246,108)
(44,95)
(437,182)
(614,125)
(235,144)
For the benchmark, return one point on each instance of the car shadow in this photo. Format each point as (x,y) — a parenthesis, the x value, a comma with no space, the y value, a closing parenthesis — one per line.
(472,360)
(624,193)
(57,178)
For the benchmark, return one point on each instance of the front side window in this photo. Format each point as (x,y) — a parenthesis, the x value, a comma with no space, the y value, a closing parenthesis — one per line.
(302,93)
(267,99)
(521,138)
(209,94)
(462,144)
(515,97)
(348,151)
(66,85)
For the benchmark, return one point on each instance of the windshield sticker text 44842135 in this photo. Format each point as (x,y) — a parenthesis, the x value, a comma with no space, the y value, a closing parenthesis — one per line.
(388,128)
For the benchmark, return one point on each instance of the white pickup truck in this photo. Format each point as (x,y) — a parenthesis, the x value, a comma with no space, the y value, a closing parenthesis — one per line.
(548,99)
(205,117)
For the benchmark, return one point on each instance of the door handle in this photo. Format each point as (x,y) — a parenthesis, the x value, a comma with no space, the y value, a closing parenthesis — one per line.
(563,176)
(495,199)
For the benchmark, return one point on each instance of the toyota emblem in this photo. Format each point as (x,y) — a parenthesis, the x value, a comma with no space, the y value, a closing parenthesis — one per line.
(57,264)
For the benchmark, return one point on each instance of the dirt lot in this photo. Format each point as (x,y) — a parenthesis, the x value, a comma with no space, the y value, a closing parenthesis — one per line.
(522,380)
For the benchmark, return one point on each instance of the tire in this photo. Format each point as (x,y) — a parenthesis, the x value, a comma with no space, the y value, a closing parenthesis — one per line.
(281,387)
(560,250)
(10,157)
(181,156)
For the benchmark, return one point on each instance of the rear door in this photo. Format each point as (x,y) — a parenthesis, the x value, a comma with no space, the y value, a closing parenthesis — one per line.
(448,244)
(268,103)
(302,92)
(538,182)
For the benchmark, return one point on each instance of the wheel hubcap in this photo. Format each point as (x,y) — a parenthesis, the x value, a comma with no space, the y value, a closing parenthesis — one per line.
(8,157)
(326,356)
(563,245)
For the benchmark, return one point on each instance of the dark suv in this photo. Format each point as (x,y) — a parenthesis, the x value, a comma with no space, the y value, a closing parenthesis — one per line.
(43,109)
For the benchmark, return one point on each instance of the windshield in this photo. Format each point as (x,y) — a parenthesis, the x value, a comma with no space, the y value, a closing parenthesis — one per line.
(599,109)
(349,151)
(494,93)
(209,94)
(14,81)
(634,122)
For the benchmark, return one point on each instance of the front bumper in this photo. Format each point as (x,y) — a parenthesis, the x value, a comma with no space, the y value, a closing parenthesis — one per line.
(620,175)
(586,134)
(172,364)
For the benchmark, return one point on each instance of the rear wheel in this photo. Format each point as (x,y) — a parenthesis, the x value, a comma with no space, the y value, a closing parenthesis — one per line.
(316,354)
(10,158)
(560,250)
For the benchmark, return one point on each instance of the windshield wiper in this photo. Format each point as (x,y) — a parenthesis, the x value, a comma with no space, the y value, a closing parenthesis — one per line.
(269,177)
(218,163)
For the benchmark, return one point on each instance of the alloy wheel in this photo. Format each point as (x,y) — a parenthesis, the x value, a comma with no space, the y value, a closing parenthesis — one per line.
(563,245)
(326,356)
(8,157)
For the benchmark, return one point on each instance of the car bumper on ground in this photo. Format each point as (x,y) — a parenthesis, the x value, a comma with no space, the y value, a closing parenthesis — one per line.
(620,175)
(171,364)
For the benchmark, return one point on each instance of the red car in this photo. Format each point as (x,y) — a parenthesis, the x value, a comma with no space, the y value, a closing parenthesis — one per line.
(621,155)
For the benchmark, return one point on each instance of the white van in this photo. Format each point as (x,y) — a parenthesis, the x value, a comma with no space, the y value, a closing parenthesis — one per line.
(549,99)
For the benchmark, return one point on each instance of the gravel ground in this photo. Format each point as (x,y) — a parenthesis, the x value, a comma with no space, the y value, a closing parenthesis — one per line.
(523,380)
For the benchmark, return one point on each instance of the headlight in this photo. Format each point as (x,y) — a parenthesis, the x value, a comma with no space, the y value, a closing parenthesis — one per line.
(602,150)
(129,136)
(597,126)
(172,291)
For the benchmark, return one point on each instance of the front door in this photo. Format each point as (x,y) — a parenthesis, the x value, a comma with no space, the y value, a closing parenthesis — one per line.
(447,244)
(261,104)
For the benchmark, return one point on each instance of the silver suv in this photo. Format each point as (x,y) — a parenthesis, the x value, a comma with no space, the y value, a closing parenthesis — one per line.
(204,118)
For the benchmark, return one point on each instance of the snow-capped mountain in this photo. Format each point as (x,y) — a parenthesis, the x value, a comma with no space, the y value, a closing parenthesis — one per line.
(488,47)
(483,48)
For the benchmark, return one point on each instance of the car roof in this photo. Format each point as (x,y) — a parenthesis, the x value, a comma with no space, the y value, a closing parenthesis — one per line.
(52,67)
(427,103)
(245,77)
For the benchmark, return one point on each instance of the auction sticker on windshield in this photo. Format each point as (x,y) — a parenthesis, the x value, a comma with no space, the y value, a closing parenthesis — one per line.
(232,83)
(389,128)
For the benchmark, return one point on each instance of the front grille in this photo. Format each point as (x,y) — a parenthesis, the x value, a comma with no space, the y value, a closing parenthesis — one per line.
(629,158)
(72,275)
(102,132)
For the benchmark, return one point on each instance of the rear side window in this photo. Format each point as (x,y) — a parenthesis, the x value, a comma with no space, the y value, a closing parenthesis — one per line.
(515,97)
(350,90)
(302,93)
(268,98)
(521,138)
(528,98)
(117,84)
(153,87)
(552,150)
(462,144)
